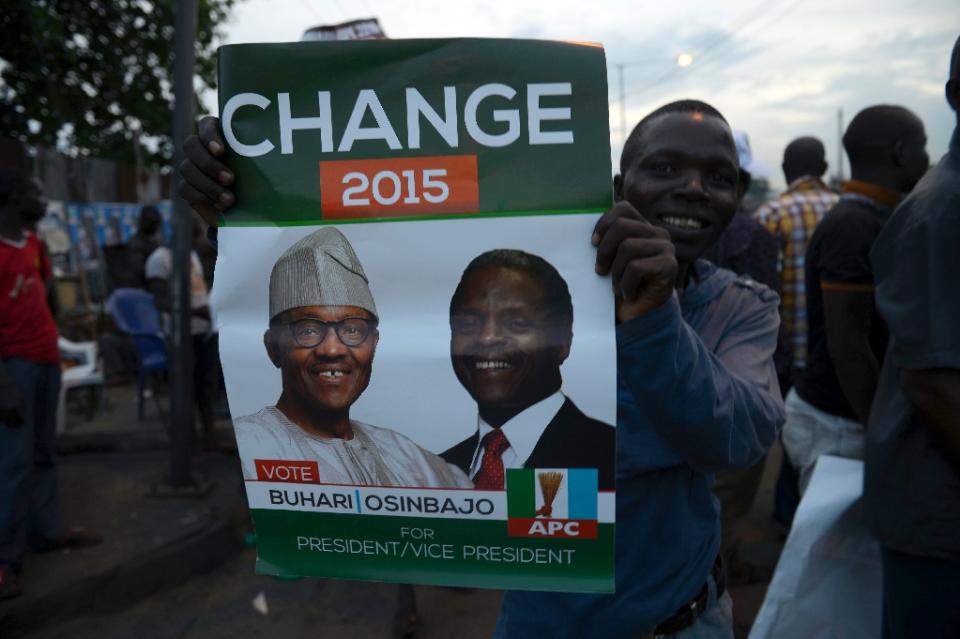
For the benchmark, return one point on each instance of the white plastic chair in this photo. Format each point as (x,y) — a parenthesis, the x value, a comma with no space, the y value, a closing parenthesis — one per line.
(87,373)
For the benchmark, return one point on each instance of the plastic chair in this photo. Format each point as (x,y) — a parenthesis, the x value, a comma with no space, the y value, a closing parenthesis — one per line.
(87,373)
(136,314)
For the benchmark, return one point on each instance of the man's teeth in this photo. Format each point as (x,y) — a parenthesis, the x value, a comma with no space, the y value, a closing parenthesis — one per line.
(493,364)
(683,222)
(331,373)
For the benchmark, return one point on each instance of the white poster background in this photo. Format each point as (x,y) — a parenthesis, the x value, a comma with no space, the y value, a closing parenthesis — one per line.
(413,268)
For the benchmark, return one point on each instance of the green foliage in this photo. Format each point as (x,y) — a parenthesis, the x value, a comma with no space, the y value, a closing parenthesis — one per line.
(95,77)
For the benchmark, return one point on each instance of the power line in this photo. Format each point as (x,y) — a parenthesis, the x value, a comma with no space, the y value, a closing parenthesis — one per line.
(788,8)
(720,41)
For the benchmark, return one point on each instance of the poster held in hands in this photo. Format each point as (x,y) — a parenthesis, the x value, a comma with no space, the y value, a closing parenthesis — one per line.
(419,358)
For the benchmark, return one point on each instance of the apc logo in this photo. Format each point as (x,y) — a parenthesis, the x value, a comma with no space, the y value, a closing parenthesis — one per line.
(552,503)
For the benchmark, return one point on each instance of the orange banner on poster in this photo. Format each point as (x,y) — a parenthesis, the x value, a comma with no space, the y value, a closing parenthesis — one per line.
(399,187)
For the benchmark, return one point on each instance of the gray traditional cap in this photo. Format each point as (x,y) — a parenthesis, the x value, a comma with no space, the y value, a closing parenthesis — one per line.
(320,270)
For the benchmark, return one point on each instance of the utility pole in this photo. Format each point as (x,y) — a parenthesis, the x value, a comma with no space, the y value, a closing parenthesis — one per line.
(181,352)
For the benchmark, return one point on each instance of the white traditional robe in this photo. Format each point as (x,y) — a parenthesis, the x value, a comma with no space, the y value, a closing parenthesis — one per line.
(374,457)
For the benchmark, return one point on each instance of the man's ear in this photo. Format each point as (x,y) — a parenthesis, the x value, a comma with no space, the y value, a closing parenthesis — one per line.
(899,152)
(567,341)
(273,349)
(743,183)
(617,188)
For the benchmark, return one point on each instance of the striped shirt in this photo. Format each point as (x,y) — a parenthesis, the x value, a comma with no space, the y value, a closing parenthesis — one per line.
(791,218)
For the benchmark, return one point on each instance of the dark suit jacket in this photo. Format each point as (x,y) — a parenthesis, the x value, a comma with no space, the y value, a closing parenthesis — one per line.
(571,440)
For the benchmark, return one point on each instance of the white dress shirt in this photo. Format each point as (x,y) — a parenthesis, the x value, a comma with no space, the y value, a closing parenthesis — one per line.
(523,431)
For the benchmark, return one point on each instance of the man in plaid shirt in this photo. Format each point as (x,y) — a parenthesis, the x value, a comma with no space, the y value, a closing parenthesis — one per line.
(791,218)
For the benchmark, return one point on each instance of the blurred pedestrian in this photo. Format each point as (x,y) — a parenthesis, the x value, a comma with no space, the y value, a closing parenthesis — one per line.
(830,404)
(158,271)
(147,239)
(912,475)
(29,388)
(791,218)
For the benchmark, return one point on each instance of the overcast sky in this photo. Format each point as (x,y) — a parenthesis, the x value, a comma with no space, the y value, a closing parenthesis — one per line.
(776,68)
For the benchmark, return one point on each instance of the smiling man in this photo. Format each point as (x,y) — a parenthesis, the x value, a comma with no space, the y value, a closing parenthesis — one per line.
(511,322)
(697,386)
(323,336)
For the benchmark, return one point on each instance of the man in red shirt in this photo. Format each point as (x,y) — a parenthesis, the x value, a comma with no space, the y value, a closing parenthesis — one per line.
(29,388)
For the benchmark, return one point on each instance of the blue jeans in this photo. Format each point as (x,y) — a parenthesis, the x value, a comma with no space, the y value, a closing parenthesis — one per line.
(920,596)
(29,501)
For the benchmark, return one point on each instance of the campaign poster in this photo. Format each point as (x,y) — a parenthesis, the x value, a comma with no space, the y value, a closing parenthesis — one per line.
(419,356)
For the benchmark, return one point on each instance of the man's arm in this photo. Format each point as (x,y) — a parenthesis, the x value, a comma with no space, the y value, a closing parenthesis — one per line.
(848,314)
(718,410)
(936,394)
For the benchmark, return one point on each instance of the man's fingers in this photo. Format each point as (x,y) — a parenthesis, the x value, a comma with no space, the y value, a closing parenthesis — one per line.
(200,156)
(618,231)
(635,248)
(211,193)
(208,129)
(619,210)
(199,203)
(641,272)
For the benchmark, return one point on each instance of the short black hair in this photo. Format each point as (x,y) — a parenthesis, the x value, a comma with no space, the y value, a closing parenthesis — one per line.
(12,181)
(554,286)
(805,156)
(679,106)
(149,217)
(876,129)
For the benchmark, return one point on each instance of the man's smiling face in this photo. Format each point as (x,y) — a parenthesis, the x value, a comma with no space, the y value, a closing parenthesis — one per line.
(331,375)
(506,344)
(684,177)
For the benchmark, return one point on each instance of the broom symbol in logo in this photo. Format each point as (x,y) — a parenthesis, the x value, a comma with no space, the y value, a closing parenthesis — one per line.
(549,486)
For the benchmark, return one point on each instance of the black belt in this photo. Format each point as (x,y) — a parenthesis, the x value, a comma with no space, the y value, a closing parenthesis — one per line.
(684,617)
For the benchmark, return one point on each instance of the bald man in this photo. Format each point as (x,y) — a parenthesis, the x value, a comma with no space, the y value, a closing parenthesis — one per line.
(830,404)
(791,218)
(912,474)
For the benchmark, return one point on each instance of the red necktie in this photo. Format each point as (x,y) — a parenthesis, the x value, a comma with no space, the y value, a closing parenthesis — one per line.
(490,475)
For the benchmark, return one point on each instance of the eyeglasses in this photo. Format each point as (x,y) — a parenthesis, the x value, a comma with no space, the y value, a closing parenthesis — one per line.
(352,331)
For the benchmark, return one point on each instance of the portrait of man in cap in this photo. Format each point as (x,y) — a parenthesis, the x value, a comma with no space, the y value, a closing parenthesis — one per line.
(511,323)
(322,337)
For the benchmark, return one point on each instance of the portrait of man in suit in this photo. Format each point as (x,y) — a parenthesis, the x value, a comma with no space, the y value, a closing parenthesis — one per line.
(511,323)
